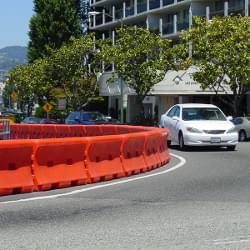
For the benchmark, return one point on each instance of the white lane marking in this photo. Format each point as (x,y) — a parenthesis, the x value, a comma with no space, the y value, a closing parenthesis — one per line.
(227,242)
(180,164)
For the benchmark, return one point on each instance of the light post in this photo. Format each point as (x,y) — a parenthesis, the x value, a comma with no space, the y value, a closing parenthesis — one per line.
(94,13)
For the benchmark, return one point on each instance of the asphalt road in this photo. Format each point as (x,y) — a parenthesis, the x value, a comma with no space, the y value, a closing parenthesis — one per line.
(202,202)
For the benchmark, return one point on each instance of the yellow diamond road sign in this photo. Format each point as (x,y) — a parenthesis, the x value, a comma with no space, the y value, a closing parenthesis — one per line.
(13,96)
(47,107)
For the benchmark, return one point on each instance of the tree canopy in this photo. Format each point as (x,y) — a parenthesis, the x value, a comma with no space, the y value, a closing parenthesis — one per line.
(141,58)
(52,25)
(65,71)
(221,50)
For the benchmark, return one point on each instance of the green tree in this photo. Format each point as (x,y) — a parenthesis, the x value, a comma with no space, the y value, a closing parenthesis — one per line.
(65,72)
(141,59)
(52,25)
(20,81)
(221,50)
(68,68)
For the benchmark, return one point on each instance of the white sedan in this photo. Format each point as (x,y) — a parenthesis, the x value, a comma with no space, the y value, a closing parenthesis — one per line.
(193,124)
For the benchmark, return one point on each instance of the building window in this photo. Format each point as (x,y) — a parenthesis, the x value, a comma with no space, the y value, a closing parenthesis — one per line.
(154,4)
(217,8)
(141,6)
(129,8)
(167,2)
(236,7)
(118,12)
(168,25)
(182,20)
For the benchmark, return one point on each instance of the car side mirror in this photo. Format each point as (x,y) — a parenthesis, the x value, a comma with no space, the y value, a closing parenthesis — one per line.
(229,118)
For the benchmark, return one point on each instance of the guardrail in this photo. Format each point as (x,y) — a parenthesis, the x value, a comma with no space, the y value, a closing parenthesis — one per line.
(76,155)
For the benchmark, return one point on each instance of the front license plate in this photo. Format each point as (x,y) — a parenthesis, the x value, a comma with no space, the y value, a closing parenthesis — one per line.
(215,139)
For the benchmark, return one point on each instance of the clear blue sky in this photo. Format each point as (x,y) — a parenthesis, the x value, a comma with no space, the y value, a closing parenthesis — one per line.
(14,22)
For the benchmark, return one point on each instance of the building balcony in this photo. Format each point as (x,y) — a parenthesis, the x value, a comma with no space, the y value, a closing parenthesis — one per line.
(132,14)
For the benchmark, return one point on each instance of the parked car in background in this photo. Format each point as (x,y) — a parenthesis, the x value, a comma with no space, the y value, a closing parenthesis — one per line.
(242,125)
(88,118)
(36,120)
(48,121)
(199,125)
(31,120)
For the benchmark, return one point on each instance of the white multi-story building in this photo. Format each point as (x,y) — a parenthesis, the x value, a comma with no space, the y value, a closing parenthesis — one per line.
(168,17)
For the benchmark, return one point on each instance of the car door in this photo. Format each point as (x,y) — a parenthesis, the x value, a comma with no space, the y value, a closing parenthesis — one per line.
(176,124)
(168,122)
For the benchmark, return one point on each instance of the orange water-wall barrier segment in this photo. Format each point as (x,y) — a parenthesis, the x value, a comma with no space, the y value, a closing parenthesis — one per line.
(58,156)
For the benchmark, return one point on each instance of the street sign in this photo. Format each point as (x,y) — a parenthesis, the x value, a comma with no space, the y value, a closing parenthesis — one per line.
(47,107)
(13,96)
(61,104)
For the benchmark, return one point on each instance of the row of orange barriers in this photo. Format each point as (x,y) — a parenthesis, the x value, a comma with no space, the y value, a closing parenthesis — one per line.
(35,131)
(44,164)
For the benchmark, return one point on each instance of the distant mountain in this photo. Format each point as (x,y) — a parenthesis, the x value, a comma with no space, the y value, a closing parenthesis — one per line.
(12,55)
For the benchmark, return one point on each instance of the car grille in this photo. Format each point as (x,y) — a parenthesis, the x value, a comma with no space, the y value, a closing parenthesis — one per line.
(214,132)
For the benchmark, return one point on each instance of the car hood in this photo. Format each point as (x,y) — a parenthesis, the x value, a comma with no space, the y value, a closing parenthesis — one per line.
(210,125)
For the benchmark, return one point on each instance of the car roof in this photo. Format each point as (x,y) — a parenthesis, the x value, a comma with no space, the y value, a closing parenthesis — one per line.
(196,105)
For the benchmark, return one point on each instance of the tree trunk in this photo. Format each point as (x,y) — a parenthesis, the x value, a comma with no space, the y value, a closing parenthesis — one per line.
(141,109)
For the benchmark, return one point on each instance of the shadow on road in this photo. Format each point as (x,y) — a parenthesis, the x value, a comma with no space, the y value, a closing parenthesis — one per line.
(201,149)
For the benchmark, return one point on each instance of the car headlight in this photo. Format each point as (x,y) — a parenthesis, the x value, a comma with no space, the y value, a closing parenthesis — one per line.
(193,130)
(232,130)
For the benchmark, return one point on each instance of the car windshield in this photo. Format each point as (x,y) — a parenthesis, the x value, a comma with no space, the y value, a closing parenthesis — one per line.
(200,113)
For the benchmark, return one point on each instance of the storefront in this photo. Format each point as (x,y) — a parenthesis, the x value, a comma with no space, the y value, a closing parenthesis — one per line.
(176,87)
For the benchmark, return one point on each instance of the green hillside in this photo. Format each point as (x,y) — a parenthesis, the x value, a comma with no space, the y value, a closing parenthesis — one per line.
(12,55)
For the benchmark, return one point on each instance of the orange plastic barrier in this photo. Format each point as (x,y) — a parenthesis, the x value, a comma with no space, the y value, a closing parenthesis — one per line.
(24,131)
(93,130)
(59,163)
(109,130)
(133,153)
(77,131)
(62,131)
(36,131)
(163,149)
(106,152)
(15,167)
(14,131)
(49,131)
(103,158)
(152,156)
(124,129)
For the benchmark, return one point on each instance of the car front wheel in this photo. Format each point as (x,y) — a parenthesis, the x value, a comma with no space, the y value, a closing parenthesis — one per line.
(231,148)
(181,141)
(242,135)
